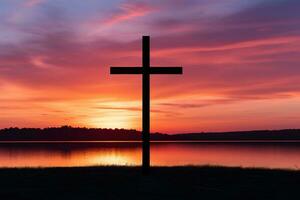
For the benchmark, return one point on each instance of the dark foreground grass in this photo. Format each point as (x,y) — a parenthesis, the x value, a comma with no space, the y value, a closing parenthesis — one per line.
(162,183)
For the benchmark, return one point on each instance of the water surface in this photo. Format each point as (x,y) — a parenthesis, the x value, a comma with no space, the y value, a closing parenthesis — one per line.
(245,154)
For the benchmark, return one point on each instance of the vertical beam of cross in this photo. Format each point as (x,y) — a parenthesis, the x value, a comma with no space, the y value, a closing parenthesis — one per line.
(146,70)
(146,104)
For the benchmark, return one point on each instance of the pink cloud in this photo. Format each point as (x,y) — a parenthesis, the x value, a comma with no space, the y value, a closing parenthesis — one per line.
(32,3)
(128,11)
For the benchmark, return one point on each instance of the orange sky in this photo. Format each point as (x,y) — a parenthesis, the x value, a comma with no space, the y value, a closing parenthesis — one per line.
(241,64)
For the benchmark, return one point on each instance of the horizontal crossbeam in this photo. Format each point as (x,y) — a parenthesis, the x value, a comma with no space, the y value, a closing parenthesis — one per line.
(140,70)
(165,70)
(126,70)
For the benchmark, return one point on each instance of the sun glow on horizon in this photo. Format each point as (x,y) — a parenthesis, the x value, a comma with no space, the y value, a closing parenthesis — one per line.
(115,114)
(112,121)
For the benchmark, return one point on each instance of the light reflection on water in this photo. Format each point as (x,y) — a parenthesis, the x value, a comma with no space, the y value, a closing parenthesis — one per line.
(269,155)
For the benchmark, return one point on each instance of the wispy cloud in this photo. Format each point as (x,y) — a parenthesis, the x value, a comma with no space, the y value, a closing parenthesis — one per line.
(134,109)
(128,11)
(32,3)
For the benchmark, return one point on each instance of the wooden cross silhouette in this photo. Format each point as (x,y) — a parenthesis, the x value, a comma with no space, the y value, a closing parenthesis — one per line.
(146,70)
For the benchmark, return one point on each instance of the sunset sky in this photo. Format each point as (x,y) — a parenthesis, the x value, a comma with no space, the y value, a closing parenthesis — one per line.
(241,62)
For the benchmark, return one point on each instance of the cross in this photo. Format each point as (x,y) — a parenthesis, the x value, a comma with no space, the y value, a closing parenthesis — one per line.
(146,70)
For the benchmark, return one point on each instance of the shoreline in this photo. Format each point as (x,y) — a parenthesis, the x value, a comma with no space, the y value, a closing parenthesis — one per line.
(154,141)
(155,167)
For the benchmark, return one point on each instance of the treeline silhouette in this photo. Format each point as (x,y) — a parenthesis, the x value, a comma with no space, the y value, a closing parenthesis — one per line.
(68,133)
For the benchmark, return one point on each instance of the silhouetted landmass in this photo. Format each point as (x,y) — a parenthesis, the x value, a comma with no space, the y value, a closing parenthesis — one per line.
(67,133)
(286,134)
(173,183)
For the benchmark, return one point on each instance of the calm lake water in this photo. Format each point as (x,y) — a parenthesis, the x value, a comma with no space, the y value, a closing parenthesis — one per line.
(250,154)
